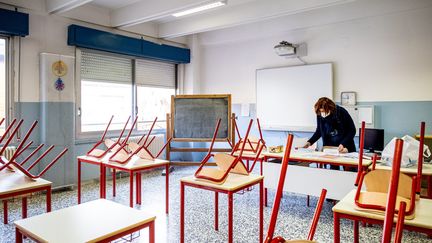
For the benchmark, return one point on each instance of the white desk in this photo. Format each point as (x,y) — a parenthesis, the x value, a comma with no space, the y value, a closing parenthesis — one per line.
(233,184)
(311,180)
(96,221)
(346,208)
(135,166)
(15,184)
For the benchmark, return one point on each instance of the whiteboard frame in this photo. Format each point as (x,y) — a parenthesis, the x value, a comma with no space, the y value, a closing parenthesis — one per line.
(287,127)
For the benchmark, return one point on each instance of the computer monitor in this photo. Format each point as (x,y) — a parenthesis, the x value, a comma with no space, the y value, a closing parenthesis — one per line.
(373,139)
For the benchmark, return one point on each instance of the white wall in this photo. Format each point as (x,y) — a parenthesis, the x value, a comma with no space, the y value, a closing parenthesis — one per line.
(383,58)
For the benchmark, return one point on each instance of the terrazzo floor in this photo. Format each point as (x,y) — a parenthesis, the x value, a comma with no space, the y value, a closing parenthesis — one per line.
(293,219)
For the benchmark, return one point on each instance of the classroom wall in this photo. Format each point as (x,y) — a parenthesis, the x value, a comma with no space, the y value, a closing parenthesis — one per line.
(48,34)
(386,59)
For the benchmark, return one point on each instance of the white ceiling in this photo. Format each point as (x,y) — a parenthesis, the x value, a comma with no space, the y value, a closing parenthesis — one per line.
(154,17)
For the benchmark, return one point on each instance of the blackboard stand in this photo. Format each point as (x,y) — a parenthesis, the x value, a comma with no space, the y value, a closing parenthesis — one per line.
(169,131)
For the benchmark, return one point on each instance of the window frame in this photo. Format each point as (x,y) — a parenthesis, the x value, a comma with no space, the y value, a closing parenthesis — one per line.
(9,79)
(84,137)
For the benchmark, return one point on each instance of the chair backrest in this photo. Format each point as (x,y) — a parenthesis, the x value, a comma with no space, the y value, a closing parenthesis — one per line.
(377,181)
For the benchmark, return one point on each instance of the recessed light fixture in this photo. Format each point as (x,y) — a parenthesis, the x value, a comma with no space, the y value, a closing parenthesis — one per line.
(200,8)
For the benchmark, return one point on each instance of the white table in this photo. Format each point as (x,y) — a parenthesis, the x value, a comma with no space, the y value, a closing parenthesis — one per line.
(347,209)
(135,166)
(16,184)
(96,221)
(311,180)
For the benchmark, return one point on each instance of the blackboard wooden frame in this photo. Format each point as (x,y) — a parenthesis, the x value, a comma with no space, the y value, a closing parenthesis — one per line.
(230,131)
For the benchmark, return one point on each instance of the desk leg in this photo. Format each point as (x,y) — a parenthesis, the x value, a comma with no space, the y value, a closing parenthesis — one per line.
(429,187)
(131,182)
(265,197)
(18,236)
(152,232)
(356,231)
(261,213)
(182,201)
(24,207)
(5,211)
(230,217)
(79,181)
(48,199)
(101,181)
(261,167)
(138,188)
(114,182)
(166,188)
(336,226)
(216,223)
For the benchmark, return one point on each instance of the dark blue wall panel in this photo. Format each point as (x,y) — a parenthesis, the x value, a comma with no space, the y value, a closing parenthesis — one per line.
(14,23)
(105,41)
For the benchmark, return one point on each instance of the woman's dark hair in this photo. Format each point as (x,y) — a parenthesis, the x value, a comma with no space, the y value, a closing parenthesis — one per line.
(326,104)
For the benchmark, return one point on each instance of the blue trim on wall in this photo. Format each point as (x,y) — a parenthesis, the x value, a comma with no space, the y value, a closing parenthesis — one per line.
(120,44)
(14,23)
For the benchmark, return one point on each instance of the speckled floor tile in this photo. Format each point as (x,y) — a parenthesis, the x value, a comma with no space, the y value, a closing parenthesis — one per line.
(293,219)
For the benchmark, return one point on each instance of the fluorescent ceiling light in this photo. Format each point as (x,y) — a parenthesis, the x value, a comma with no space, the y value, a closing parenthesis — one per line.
(199,9)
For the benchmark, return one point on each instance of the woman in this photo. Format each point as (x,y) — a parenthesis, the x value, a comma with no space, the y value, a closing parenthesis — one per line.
(334,125)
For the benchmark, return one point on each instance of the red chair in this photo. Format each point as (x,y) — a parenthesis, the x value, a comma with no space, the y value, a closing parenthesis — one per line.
(226,163)
(13,163)
(376,183)
(123,156)
(276,204)
(253,147)
(391,203)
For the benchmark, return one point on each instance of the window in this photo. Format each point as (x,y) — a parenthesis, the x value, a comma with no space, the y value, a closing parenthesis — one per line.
(155,82)
(3,82)
(112,85)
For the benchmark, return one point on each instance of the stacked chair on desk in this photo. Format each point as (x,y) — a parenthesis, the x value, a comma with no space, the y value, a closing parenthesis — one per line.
(252,149)
(226,163)
(373,197)
(13,163)
(122,150)
(275,211)
(392,199)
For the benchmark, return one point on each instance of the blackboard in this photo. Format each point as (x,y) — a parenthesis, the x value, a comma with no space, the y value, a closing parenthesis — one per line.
(194,117)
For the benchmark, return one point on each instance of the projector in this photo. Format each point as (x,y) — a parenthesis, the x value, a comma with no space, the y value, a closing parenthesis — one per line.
(286,49)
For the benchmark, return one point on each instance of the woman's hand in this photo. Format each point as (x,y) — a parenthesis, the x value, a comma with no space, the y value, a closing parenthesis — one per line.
(307,145)
(342,149)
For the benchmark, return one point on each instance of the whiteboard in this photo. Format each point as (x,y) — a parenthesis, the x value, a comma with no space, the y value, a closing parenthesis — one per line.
(286,96)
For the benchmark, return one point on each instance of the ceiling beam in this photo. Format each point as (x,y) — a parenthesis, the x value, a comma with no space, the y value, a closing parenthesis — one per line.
(149,10)
(61,6)
(240,14)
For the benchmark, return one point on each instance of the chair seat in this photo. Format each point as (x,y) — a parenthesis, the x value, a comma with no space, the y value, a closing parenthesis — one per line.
(380,199)
(214,173)
(96,152)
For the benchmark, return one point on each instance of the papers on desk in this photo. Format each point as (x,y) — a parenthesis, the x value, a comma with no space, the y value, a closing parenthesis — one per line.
(305,150)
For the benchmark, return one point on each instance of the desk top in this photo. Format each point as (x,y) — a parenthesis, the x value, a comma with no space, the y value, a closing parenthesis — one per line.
(17,181)
(232,183)
(423,211)
(134,163)
(319,157)
(88,222)
(427,169)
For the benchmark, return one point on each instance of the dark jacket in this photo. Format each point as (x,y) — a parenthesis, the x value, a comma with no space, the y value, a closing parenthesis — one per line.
(335,129)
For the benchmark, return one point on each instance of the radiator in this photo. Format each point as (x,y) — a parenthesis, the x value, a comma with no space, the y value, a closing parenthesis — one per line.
(155,146)
(9,151)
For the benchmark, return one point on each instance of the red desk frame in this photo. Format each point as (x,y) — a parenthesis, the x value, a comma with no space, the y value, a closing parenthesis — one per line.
(230,207)
(6,196)
(102,176)
(337,216)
